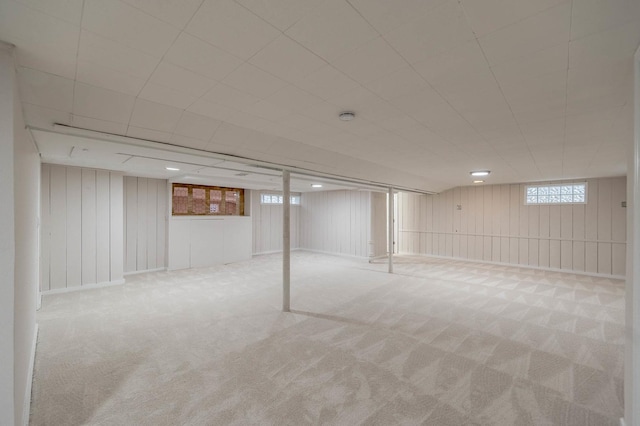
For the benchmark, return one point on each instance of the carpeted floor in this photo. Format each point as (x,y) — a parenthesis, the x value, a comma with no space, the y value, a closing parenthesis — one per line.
(438,343)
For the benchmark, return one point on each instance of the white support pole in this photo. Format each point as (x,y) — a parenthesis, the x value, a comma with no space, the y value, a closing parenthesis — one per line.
(286,241)
(390,238)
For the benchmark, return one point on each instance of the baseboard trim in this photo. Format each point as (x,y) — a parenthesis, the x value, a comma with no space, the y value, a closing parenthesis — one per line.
(262,253)
(163,269)
(84,287)
(26,410)
(512,265)
(330,253)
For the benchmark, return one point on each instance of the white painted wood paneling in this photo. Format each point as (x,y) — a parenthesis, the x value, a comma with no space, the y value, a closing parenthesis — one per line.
(495,225)
(82,215)
(340,222)
(45,228)
(89,228)
(103,237)
(58,221)
(267,225)
(116,217)
(145,212)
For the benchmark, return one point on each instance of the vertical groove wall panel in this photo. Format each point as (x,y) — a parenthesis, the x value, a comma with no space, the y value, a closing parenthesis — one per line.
(131,223)
(58,247)
(89,227)
(103,212)
(267,225)
(78,215)
(45,228)
(152,226)
(145,213)
(74,227)
(500,227)
(161,223)
(116,223)
(141,228)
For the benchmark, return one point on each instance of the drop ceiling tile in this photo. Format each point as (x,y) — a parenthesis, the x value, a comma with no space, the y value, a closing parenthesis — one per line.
(248,121)
(100,76)
(229,135)
(366,104)
(210,110)
(611,45)
(19,23)
(280,13)
(103,104)
(444,28)
(458,71)
(332,29)
(592,16)
(224,95)
(98,125)
(61,62)
(287,60)
(178,78)
(252,80)
(122,23)
(196,126)
(44,118)
(544,30)
(421,100)
(599,87)
(492,15)
(386,15)
(293,99)
(101,51)
(201,57)
(267,111)
(188,142)
(164,95)
(370,61)
(327,83)
(553,59)
(399,83)
(231,27)
(46,90)
(148,134)
(66,10)
(154,116)
(174,12)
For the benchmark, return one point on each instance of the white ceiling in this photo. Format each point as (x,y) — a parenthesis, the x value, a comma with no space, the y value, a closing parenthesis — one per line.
(530,89)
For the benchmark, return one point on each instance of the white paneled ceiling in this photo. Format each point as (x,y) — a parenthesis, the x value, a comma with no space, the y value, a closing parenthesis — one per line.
(530,89)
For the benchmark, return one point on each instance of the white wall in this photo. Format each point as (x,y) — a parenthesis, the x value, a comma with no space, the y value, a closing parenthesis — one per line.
(19,176)
(145,223)
(267,225)
(494,225)
(336,222)
(632,311)
(82,227)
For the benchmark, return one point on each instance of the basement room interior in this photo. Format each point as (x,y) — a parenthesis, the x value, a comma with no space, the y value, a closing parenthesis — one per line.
(341,212)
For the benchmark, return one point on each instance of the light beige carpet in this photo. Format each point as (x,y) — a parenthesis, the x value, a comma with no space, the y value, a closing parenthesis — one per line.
(438,343)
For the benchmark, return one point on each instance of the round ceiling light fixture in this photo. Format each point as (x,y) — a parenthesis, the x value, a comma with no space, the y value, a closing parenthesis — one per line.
(478,181)
(480,173)
(316,185)
(172,169)
(347,116)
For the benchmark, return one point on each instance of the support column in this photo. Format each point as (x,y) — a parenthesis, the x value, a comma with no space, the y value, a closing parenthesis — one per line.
(390,238)
(286,241)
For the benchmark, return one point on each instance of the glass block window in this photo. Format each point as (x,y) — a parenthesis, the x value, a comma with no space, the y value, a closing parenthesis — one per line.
(565,193)
(277,199)
(198,200)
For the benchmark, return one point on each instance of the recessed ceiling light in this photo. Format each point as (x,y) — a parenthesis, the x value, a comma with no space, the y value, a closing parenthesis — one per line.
(478,181)
(173,169)
(347,116)
(480,173)
(316,185)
